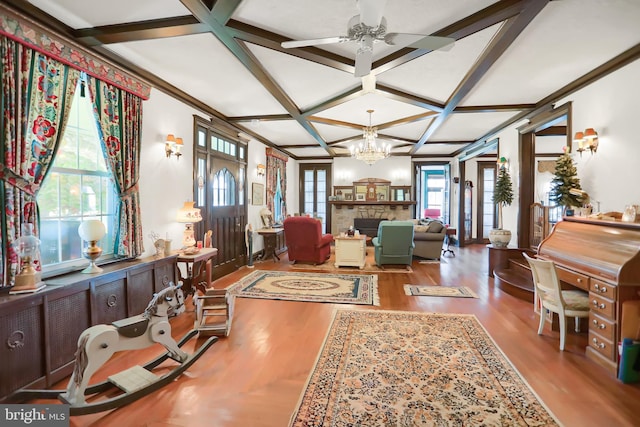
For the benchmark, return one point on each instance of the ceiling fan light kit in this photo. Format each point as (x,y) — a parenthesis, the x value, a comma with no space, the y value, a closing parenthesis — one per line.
(370,27)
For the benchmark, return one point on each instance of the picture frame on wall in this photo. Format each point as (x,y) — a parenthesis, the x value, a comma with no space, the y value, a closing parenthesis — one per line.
(360,197)
(257,194)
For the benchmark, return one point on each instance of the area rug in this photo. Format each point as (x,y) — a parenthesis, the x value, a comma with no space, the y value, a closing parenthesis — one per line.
(439,291)
(433,261)
(313,287)
(394,368)
(369,267)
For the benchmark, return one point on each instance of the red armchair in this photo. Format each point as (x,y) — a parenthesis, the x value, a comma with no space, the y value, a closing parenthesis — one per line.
(305,241)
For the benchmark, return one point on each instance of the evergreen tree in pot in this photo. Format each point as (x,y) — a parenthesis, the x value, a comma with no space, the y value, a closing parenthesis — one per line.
(502,196)
(564,181)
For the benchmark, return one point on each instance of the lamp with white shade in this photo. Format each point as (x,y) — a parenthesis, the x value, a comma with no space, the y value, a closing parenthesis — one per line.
(91,232)
(188,215)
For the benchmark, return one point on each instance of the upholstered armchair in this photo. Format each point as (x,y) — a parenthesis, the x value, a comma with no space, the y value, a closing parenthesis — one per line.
(394,243)
(305,241)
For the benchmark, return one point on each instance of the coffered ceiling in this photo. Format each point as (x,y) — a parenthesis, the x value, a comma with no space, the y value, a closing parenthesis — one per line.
(511,58)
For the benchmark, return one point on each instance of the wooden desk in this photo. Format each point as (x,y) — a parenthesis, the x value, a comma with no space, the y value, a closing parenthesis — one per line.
(270,236)
(194,263)
(603,258)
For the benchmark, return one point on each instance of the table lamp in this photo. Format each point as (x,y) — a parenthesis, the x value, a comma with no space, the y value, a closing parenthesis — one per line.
(91,231)
(188,215)
(28,248)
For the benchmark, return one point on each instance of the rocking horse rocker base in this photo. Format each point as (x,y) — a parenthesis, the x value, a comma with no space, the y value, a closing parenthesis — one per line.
(98,343)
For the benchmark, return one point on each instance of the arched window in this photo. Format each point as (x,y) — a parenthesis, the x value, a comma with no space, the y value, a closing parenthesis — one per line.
(224,188)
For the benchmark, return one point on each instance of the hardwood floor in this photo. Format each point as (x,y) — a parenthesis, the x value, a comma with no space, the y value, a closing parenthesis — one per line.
(255,376)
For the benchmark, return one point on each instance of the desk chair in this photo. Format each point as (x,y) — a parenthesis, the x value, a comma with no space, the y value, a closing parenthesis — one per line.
(566,303)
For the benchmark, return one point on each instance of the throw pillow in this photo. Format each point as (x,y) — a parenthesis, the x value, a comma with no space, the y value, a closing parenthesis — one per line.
(435,227)
(420,228)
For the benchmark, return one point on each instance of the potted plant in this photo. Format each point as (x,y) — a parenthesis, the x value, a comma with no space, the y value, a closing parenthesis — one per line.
(502,196)
(565,186)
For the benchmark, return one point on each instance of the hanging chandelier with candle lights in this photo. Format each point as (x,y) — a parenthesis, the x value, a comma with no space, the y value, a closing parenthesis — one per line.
(369,151)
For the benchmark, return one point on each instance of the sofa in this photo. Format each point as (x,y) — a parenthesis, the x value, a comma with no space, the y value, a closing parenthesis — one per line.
(428,237)
(305,241)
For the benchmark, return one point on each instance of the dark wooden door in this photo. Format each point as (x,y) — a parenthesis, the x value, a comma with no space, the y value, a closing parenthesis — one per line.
(220,166)
(225,215)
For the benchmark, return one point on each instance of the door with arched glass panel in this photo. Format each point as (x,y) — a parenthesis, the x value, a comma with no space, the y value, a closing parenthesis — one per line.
(221,196)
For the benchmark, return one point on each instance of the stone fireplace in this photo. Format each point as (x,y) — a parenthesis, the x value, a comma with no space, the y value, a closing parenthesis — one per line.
(343,218)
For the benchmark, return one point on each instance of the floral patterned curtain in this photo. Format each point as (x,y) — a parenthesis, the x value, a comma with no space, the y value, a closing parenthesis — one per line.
(119,117)
(276,161)
(36,96)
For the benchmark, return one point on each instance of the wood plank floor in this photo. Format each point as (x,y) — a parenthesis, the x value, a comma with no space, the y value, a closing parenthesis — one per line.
(255,377)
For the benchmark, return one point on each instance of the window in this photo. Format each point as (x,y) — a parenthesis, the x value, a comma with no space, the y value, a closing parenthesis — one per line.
(78,186)
(224,188)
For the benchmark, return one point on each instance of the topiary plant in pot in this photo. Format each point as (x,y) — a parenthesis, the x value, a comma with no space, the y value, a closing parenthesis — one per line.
(502,196)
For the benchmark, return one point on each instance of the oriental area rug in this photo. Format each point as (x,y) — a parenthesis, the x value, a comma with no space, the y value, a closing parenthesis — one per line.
(369,266)
(439,291)
(311,287)
(394,368)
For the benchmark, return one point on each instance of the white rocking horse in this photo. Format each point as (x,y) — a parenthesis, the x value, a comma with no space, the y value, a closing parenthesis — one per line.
(98,343)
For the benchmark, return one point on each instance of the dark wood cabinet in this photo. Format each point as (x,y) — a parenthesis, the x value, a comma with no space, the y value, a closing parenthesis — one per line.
(39,332)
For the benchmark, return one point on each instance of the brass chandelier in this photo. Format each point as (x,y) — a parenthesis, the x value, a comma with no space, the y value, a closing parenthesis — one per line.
(368,150)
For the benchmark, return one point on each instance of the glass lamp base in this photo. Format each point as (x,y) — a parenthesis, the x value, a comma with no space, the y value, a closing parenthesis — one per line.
(92,268)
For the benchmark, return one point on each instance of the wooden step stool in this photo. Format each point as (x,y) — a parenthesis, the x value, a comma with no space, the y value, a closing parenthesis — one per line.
(214,312)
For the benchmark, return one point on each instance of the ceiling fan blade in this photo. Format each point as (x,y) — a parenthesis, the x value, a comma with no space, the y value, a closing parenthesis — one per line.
(314,42)
(371,11)
(419,41)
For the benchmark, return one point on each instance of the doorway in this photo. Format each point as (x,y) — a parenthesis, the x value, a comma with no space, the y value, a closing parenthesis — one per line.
(219,192)
(315,187)
(486,208)
(432,191)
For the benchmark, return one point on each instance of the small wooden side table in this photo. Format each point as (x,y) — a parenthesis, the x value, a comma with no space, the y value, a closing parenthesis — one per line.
(351,251)
(270,236)
(195,266)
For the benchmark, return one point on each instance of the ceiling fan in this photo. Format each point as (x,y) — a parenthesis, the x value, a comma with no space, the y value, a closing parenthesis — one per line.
(370,27)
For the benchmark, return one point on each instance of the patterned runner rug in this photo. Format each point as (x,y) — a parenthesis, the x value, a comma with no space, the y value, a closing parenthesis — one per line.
(313,287)
(414,369)
(439,291)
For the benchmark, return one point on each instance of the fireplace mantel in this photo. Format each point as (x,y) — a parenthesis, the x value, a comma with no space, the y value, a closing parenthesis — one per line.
(393,204)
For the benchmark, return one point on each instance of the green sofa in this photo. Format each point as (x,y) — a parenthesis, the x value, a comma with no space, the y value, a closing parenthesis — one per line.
(394,243)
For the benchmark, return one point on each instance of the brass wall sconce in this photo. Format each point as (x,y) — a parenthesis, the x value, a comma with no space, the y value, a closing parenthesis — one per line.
(172,146)
(261,169)
(587,140)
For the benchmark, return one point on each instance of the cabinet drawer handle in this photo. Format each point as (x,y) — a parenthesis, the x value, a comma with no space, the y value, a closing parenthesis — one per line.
(579,280)
(602,289)
(599,326)
(112,300)
(597,344)
(601,306)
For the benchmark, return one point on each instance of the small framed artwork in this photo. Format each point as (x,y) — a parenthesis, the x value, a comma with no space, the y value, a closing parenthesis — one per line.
(348,196)
(360,197)
(380,196)
(257,194)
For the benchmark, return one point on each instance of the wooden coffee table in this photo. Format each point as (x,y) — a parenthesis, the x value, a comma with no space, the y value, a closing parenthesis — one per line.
(351,251)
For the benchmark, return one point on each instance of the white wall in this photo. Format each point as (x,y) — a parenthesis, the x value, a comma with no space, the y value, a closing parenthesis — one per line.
(165,183)
(611,175)
(395,169)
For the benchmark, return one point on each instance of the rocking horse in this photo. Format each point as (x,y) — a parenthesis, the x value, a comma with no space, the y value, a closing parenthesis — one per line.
(98,343)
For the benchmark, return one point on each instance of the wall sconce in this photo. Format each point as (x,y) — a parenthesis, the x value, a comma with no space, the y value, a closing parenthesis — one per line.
(261,169)
(587,140)
(503,163)
(172,146)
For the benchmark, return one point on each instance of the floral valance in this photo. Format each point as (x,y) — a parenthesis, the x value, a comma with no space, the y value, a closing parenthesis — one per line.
(277,154)
(27,32)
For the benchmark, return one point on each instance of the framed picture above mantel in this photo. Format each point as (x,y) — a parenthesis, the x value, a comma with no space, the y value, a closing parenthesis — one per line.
(372,191)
